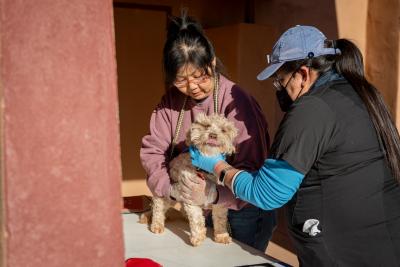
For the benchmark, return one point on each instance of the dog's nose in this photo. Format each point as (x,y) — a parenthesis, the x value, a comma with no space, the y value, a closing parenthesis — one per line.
(212,135)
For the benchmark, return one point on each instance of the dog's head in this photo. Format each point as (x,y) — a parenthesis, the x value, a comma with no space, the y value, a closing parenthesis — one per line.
(212,134)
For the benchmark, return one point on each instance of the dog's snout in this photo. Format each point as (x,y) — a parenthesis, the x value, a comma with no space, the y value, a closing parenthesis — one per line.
(213,135)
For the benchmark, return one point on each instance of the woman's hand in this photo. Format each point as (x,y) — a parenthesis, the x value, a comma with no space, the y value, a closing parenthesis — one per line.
(198,191)
(175,192)
(203,162)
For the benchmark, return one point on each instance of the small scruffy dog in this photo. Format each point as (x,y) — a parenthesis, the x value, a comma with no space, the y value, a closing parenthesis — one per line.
(211,135)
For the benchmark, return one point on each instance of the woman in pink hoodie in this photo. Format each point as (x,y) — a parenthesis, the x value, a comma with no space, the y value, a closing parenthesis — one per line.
(196,85)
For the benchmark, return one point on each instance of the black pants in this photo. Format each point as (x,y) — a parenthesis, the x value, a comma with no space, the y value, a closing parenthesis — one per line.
(251,225)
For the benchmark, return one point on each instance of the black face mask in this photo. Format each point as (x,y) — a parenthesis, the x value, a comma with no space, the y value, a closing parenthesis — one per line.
(284,100)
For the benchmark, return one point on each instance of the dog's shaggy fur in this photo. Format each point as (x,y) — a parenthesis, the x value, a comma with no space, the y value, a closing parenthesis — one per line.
(211,135)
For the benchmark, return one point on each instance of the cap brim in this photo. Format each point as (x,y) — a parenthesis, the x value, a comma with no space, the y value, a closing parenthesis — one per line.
(268,71)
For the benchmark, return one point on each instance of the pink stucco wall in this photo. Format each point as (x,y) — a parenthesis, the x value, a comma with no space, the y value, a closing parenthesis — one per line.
(61,176)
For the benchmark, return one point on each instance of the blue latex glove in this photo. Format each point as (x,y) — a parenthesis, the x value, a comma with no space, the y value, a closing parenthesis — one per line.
(203,162)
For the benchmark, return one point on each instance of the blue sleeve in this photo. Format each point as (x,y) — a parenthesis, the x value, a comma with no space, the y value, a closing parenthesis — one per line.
(270,187)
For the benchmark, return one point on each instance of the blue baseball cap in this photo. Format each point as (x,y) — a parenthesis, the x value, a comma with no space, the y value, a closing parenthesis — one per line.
(298,42)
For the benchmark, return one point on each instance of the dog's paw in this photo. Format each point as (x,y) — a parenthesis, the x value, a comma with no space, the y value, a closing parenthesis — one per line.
(223,238)
(157,228)
(197,240)
(144,218)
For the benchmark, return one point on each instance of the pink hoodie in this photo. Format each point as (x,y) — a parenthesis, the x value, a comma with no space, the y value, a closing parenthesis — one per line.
(252,142)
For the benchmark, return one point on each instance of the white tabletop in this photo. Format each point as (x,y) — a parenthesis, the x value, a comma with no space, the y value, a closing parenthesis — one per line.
(173,249)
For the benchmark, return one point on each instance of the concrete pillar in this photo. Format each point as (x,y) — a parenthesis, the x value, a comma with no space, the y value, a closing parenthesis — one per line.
(60,157)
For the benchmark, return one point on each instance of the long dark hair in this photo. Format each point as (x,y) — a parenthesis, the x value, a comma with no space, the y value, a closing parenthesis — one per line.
(186,43)
(349,63)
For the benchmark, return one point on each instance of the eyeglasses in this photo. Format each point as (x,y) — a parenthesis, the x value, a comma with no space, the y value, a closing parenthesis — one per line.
(276,82)
(183,82)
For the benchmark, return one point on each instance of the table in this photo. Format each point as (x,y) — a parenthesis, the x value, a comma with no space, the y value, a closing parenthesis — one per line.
(173,249)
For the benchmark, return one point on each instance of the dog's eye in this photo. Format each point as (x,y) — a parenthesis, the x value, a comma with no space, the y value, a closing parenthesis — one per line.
(223,130)
(206,125)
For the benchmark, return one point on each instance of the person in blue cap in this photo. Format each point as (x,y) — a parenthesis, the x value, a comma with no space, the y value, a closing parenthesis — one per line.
(335,160)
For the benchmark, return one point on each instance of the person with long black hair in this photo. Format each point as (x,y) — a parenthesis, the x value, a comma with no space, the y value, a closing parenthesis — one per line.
(195,84)
(335,158)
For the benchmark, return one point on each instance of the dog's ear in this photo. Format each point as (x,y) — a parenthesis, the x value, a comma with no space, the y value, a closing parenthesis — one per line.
(231,149)
(232,132)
